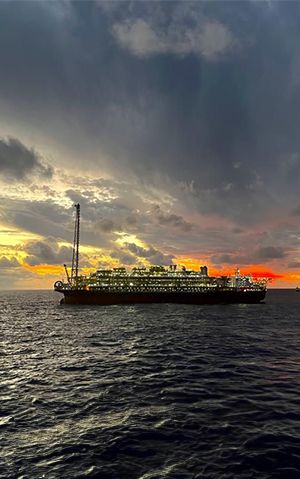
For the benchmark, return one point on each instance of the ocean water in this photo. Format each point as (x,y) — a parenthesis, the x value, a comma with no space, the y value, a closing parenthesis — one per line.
(149,391)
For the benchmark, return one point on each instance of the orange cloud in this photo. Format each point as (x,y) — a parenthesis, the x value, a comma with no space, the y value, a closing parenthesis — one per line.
(255,270)
(53,270)
(45,269)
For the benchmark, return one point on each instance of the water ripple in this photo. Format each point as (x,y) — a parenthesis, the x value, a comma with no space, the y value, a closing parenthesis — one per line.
(149,391)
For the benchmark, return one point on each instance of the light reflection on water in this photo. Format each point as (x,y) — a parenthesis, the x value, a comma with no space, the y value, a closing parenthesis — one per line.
(149,391)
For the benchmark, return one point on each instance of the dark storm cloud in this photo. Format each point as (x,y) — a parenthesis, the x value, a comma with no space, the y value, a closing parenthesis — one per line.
(153,255)
(107,215)
(51,218)
(270,252)
(203,91)
(106,226)
(123,257)
(17,161)
(171,220)
(94,208)
(226,258)
(44,218)
(131,222)
(40,252)
(261,254)
(48,252)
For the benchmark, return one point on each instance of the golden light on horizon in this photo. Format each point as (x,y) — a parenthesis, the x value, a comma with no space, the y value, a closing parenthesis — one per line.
(12,236)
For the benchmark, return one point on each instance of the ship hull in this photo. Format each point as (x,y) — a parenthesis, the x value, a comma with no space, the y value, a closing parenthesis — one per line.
(109,298)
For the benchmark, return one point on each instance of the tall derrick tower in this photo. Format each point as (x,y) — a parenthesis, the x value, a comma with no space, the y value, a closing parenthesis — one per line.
(75,258)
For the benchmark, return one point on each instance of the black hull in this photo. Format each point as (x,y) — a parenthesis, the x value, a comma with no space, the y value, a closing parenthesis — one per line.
(109,298)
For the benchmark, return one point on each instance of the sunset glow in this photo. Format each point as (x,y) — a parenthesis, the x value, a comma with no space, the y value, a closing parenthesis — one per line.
(174,147)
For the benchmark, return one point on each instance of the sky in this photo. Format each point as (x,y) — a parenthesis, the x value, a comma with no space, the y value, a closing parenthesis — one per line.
(175,125)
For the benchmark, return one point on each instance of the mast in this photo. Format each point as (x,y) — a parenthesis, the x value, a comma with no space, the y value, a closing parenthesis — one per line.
(75,258)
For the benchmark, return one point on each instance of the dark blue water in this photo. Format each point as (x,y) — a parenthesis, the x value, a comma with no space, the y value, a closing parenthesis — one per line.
(149,392)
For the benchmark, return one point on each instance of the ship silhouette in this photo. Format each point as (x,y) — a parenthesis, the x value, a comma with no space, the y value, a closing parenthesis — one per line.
(156,284)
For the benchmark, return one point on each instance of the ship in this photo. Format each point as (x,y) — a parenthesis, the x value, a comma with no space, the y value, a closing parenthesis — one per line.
(156,284)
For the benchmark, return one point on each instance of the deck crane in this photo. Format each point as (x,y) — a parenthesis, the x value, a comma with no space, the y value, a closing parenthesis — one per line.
(67,274)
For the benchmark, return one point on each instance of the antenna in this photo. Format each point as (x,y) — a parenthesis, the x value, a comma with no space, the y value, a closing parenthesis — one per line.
(75,258)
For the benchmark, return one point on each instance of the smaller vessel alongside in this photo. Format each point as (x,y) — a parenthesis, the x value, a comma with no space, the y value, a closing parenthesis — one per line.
(156,284)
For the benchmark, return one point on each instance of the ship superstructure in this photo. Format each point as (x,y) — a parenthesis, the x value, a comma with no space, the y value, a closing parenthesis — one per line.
(157,284)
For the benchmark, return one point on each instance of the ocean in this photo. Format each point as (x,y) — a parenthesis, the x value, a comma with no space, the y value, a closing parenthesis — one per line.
(149,391)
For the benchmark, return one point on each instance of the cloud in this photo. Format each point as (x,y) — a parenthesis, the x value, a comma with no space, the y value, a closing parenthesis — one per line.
(153,255)
(44,218)
(269,252)
(17,161)
(207,38)
(106,226)
(124,257)
(138,37)
(226,258)
(54,217)
(214,41)
(261,254)
(40,252)
(131,222)
(182,116)
(295,211)
(294,264)
(9,263)
(171,220)
(175,116)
